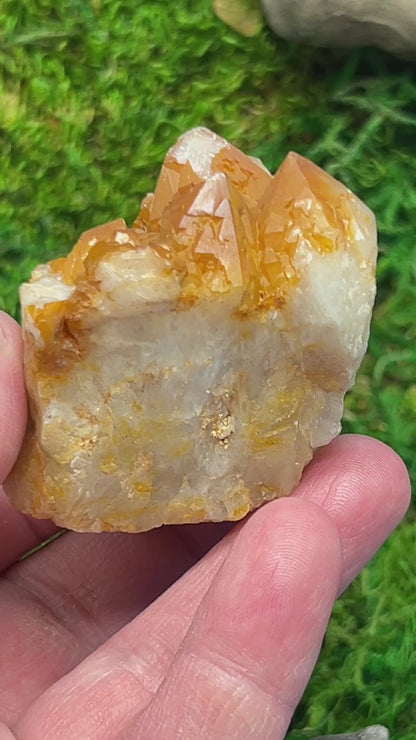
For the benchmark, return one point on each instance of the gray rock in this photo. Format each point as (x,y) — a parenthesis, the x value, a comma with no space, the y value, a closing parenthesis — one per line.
(375,732)
(383,23)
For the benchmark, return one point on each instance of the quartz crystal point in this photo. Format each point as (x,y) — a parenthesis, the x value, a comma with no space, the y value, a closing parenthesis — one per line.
(185,369)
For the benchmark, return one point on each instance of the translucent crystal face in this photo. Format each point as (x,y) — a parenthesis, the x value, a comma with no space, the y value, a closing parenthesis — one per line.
(185,368)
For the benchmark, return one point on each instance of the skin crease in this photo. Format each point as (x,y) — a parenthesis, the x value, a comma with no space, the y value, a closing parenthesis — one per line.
(198,631)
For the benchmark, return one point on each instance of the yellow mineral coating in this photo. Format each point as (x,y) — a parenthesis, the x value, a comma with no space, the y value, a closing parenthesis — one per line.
(247,240)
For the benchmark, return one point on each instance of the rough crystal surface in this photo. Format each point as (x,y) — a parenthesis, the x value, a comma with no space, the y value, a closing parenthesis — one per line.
(185,369)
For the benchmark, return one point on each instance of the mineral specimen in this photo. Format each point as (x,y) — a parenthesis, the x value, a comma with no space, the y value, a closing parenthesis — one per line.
(184,369)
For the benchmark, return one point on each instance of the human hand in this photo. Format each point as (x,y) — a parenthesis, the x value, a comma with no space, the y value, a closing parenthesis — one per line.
(181,631)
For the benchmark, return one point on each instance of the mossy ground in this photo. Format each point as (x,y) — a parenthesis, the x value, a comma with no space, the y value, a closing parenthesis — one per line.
(92,94)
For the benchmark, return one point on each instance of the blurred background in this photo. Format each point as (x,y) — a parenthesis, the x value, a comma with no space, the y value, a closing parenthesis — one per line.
(92,94)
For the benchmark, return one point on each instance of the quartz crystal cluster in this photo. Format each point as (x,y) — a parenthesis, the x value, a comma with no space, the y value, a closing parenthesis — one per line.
(185,368)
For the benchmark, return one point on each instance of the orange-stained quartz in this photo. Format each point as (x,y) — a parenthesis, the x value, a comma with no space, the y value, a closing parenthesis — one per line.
(234,227)
(248,176)
(47,318)
(174,180)
(72,268)
(304,202)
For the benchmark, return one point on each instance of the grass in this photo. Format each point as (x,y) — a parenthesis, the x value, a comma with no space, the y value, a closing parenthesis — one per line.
(93,93)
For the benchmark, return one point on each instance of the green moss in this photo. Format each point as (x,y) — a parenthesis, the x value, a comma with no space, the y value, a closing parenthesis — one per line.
(91,96)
